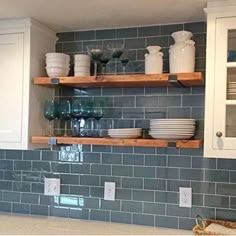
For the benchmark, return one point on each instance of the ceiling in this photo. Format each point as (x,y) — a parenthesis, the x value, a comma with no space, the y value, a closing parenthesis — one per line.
(69,15)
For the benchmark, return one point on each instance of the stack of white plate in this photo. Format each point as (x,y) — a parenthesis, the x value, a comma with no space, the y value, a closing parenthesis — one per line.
(57,64)
(82,65)
(125,133)
(231,89)
(172,128)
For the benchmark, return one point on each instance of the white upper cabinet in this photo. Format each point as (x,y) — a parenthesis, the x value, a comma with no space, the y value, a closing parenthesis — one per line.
(23,44)
(220,106)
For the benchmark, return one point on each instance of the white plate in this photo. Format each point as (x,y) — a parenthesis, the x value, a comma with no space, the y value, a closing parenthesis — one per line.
(173,125)
(124,133)
(126,129)
(172,134)
(169,136)
(124,136)
(172,119)
(173,130)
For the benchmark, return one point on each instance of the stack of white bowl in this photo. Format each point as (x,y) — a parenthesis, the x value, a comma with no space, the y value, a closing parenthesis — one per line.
(125,133)
(57,64)
(82,65)
(172,128)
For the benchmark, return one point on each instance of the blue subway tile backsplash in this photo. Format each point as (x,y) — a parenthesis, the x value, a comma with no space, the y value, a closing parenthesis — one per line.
(147,179)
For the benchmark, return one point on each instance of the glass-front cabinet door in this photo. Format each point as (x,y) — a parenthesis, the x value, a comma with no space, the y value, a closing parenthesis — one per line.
(224,133)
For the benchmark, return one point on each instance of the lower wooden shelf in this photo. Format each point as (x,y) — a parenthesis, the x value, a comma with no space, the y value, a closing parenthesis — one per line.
(119,142)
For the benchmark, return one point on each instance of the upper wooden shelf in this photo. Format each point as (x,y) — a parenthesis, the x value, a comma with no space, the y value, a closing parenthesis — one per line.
(118,142)
(134,80)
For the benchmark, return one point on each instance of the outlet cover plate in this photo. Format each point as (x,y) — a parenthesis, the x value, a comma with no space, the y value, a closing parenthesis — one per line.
(109,191)
(52,186)
(185,197)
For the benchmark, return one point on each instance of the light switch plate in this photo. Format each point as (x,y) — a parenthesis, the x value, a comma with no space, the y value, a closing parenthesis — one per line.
(52,186)
(109,191)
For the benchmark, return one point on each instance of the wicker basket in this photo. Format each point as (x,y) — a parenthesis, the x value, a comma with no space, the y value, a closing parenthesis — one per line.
(199,229)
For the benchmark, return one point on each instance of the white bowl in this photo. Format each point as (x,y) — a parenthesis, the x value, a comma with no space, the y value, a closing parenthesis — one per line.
(82,57)
(57,71)
(58,64)
(57,55)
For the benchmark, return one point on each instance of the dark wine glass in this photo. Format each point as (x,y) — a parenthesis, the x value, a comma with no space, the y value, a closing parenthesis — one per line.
(77,114)
(106,56)
(88,114)
(50,113)
(65,112)
(95,51)
(124,59)
(98,113)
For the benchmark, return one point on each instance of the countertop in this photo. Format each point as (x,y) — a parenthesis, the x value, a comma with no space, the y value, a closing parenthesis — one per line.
(31,225)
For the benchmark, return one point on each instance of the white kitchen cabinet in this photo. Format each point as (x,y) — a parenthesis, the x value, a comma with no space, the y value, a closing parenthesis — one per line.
(23,44)
(220,104)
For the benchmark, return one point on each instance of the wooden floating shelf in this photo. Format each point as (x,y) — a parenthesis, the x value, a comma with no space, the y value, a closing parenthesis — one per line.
(134,80)
(119,142)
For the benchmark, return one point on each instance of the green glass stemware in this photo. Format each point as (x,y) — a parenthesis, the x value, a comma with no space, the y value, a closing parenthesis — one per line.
(50,113)
(65,112)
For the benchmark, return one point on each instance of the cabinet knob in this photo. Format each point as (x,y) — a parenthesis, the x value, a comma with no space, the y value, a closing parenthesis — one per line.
(218,134)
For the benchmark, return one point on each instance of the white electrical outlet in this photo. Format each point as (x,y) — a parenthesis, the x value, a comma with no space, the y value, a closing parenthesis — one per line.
(52,186)
(185,197)
(109,191)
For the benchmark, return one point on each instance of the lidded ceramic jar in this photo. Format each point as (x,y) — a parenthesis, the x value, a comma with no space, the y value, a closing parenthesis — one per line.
(154,60)
(182,53)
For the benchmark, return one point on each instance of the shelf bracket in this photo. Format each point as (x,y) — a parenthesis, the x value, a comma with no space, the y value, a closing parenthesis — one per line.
(173,79)
(55,81)
(52,141)
(171,144)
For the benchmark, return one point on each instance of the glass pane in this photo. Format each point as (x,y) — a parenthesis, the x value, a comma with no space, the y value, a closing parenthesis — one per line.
(231,45)
(230,128)
(231,83)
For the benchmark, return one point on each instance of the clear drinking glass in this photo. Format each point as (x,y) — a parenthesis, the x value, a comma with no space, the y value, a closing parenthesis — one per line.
(50,113)
(65,113)
(95,51)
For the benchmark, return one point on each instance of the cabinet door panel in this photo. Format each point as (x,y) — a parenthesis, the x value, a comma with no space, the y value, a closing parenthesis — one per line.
(224,135)
(11,87)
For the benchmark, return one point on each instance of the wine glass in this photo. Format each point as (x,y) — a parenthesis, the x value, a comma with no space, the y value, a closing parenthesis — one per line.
(65,112)
(116,49)
(77,114)
(124,59)
(97,115)
(106,56)
(95,51)
(50,113)
(88,114)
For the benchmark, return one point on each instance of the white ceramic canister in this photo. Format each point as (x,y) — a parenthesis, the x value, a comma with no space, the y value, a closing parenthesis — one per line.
(82,64)
(154,60)
(182,53)
(82,57)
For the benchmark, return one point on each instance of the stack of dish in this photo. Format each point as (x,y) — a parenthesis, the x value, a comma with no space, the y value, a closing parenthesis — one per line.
(231,89)
(57,64)
(82,65)
(125,133)
(172,128)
